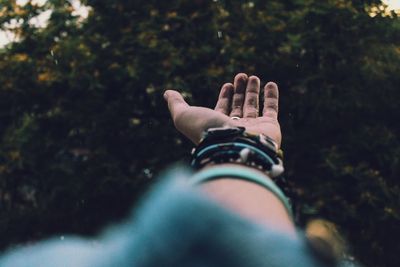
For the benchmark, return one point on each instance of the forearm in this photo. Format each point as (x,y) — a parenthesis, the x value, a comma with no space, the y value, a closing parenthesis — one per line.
(237,131)
(251,201)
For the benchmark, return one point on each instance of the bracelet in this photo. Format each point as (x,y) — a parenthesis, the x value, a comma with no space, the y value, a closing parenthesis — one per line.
(234,145)
(238,172)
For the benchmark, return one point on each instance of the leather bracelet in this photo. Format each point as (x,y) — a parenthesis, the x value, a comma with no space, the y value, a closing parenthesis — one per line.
(234,145)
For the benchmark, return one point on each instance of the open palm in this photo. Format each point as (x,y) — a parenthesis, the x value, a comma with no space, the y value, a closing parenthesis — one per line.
(238,105)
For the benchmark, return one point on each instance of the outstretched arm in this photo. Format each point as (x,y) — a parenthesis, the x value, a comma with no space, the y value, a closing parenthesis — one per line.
(238,105)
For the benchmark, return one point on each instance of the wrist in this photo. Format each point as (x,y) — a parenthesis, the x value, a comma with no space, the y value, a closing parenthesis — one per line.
(232,151)
(235,166)
(234,145)
(245,174)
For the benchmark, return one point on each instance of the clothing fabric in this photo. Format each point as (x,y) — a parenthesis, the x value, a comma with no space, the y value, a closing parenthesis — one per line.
(176,225)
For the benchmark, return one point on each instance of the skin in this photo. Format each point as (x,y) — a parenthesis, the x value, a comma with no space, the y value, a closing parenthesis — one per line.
(238,99)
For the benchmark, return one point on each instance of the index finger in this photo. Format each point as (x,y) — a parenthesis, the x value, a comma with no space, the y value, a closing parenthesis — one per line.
(271,100)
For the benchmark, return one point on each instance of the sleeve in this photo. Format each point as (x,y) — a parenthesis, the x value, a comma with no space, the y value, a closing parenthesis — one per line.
(175,226)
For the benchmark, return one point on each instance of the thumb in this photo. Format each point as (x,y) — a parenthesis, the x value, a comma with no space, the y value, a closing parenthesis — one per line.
(176,103)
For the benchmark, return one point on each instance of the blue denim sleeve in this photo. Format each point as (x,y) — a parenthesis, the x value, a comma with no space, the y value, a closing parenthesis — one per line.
(175,226)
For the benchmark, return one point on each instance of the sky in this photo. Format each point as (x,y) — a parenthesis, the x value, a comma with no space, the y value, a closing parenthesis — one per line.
(393,4)
(41,20)
(82,11)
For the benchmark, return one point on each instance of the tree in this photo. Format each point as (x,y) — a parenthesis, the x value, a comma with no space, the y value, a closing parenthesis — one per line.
(84,130)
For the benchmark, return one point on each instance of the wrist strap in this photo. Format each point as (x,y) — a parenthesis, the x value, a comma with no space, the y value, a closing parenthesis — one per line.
(238,172)
(235,145)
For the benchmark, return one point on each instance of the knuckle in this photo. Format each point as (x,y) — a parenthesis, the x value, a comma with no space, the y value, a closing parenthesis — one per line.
(236,113)
(251,112)
(252,103)
(237,101)
(252,98)
(272,106)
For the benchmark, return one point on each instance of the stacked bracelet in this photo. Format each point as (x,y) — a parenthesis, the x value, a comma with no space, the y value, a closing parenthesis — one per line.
(234,145)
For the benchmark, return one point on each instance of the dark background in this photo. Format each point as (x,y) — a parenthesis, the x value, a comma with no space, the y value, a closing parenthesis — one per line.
(84,130)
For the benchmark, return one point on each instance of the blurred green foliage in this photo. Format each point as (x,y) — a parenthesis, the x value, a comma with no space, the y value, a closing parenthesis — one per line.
(84,129)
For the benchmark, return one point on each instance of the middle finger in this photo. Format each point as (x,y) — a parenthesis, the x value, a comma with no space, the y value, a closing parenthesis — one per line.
(239,95)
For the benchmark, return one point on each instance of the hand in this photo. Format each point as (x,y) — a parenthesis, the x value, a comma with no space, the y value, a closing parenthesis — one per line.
(240,99)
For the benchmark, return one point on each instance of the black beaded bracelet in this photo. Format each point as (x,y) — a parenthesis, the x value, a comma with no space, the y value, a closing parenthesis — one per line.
(234,145)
